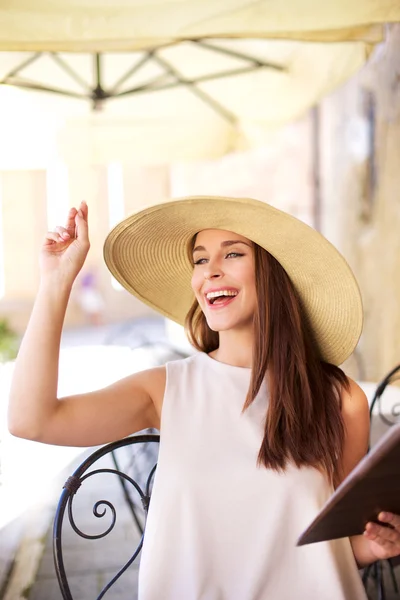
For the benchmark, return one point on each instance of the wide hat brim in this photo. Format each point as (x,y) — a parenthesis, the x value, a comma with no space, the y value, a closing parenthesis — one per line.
(147,253)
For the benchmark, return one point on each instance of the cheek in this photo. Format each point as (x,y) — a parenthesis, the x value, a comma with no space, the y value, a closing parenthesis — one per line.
(246,276)
(250,284)
(196,282)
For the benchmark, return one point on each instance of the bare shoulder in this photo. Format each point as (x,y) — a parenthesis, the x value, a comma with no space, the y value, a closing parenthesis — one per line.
(355,412)
(354,402)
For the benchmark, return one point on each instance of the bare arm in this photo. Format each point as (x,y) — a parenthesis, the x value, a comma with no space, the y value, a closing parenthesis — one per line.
(378,542)
(355,411)
(385,542)
(98,417)
(35,412)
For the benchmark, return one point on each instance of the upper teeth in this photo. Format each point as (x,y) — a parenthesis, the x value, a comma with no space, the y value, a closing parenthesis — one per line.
(221,293)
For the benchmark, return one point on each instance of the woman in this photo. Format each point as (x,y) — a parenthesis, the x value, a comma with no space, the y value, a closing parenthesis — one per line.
(256,429)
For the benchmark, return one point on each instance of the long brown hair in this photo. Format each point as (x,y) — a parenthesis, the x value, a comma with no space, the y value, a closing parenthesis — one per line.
(303,421)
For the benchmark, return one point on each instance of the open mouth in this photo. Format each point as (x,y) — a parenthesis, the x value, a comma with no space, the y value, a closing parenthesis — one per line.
(220,300)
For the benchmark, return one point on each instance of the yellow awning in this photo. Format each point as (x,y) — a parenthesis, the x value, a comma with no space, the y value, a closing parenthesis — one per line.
(193,79)
(118,25)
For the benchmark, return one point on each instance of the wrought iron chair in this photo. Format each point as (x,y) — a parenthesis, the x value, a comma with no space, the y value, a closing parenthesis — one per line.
(376,570)
(139,455)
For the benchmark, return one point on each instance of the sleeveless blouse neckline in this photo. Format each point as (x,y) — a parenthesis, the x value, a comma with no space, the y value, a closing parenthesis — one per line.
(218,363)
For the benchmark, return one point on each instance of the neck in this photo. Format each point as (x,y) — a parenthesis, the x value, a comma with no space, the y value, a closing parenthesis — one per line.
(235,348)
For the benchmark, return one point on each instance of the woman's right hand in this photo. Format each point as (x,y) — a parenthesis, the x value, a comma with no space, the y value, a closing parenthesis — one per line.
(65,249)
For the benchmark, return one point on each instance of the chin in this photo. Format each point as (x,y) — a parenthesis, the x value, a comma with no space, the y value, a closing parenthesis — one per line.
(221,325)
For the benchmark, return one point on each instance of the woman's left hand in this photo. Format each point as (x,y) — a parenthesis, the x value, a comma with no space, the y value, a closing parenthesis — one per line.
(384,541)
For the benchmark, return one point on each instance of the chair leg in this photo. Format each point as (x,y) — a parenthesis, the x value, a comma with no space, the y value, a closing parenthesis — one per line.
(393,576)
(380,581)
(366,573)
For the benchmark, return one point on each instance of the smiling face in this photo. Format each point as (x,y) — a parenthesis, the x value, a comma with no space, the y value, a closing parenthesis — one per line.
(223,279)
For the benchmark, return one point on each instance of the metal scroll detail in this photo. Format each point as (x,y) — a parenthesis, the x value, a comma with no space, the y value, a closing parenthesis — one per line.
(393,416)
(102,507)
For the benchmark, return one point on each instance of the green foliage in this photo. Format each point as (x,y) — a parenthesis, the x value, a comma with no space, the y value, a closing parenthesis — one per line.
(8,342)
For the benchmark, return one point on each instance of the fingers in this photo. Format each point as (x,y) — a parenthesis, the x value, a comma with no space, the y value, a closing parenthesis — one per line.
(381,535)
(60,234)
(76,219)
(81,223)
(63,233)
(70,224)
(386,536)
(52,237)
(390,519)
(84,208)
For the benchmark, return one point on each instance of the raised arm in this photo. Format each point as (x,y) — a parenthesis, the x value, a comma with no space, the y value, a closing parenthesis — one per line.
(34,411)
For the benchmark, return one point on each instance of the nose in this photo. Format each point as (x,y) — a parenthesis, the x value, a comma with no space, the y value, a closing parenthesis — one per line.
(212,271)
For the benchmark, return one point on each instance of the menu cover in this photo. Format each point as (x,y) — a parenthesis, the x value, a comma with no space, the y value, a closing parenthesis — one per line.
(372,487)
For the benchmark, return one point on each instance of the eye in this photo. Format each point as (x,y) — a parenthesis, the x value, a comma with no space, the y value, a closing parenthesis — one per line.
(202,261)
(199,261)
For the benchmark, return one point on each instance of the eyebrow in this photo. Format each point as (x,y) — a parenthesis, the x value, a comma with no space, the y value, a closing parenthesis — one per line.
(223,245)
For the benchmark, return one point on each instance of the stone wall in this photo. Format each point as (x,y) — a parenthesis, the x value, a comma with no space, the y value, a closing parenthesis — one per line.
(360,185)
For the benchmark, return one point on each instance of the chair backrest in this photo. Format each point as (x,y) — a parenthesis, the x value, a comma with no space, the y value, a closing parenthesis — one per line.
(383,415)
(385,408)
(129,466)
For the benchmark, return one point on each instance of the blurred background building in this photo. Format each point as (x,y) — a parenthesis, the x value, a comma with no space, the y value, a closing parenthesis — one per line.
(295,103)
(337,167)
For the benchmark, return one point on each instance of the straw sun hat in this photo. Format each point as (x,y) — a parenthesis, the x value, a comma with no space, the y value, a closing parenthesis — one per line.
(148,253)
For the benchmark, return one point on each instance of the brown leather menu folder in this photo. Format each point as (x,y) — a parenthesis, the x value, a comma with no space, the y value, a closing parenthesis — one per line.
(373,486)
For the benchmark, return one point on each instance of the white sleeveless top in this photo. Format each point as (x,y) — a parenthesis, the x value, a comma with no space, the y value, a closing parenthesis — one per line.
(219,527)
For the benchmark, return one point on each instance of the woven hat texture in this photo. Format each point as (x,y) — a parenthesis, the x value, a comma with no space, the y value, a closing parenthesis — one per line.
(148,253)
